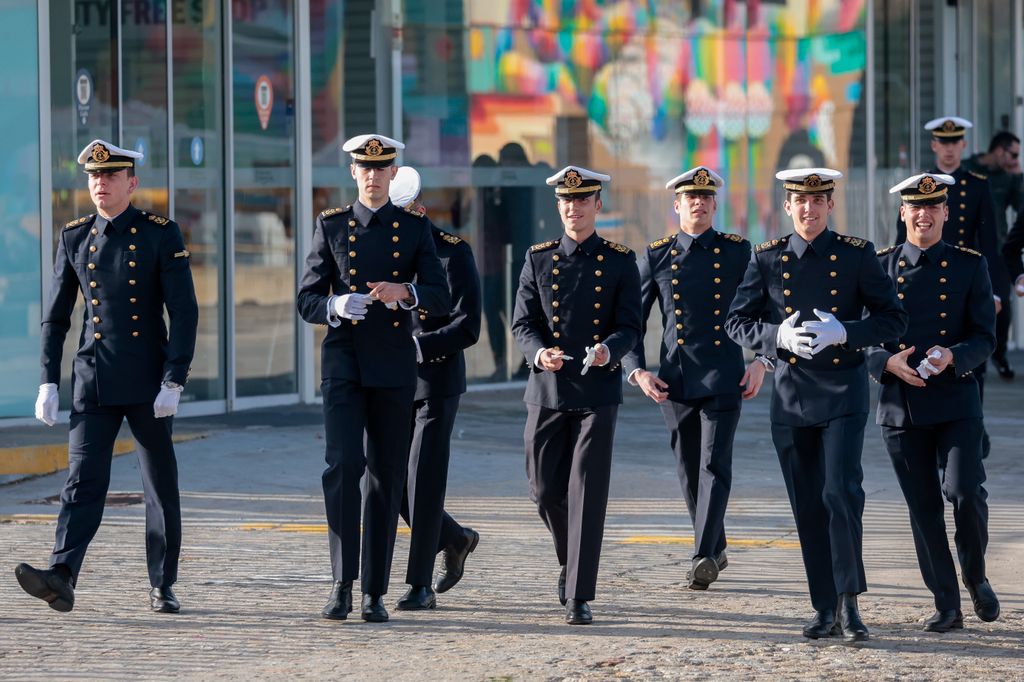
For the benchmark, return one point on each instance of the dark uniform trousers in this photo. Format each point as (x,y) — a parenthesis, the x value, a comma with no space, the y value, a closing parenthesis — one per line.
(568,464)
(572,296)
(693,279)
(93,431)
(701,433)
(369,376)
(819,405)
(441,379)
(934,433)
(129,271)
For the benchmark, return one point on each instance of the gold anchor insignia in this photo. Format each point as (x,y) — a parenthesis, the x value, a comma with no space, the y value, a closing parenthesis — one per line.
(812,181)
(926,186)
(948,126)
(100,153)
(573,179)
(374,147)
(702,178)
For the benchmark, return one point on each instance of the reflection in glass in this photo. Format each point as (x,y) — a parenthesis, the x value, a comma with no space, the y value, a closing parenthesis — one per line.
(264,173)
(198,186)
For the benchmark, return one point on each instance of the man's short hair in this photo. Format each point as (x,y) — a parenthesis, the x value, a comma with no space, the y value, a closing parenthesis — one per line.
(790,195)
(1004,139)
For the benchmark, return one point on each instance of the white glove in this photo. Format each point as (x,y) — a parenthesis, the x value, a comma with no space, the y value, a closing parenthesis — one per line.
(166,403)
(589,359)
(827,332)
(352,306)
(926,369)
(793,338)
(46,404)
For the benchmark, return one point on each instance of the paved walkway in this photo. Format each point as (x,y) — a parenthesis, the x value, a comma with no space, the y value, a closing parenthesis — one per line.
(255,570)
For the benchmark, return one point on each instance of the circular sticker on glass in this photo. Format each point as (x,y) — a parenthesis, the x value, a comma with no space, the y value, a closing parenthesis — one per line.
(83,94)
(140,147)
(264,97)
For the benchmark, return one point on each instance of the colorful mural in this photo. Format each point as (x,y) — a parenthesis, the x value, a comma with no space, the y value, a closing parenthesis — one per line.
(745,87)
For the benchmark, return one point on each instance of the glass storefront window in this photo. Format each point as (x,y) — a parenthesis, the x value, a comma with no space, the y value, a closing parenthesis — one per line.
(263,98)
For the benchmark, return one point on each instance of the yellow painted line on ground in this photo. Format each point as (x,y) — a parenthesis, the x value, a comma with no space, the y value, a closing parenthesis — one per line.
(34,460)
(28,518)
(314,528)
(733,542)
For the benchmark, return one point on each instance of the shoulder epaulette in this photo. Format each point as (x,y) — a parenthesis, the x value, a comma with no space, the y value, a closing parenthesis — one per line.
(768,245)
(158,219)
(882,252)
(333,211)
(418,214)
(980,176)
(732,237)
(970,251)
(79,221)
(855,242)
(544,246)
(618,247)
(658,243)
(451,238)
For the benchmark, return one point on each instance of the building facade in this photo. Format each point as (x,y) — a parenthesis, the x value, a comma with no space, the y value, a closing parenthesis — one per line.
(241,106)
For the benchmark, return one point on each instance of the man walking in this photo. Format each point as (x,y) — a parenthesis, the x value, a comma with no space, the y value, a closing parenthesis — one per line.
(834,284)
(358,282)
(929,406)
(701,380)
(130,266)
(577,314)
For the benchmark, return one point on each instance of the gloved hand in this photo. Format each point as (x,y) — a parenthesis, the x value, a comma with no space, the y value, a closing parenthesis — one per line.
(352,306)
(827,332)
(793,338)
(166,403)
(46,404)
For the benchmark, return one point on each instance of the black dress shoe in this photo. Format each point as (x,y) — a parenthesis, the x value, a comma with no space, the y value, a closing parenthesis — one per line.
(418,597)
(1004,369)
(578,613)
(986,604)
(703,572)
(561,587)
(455,561)
(373,609)
(853,627)
(54,585)
(824,624)
(162,600)
(722,559)
(339,604)
(944,621)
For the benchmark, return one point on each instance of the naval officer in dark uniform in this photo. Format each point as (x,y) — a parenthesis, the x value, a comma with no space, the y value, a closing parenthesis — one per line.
(358,282)
(701,380)
(929,406)
(441,368)
(130,266)
(577,314)
(815,299)
(972,218)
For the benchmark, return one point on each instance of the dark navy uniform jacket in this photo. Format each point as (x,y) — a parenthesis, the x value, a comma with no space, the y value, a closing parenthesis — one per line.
(694,281)
(837,274)
(572,296)
(128,270)
(947,293)
(348,251)
(971,223)
(443,338)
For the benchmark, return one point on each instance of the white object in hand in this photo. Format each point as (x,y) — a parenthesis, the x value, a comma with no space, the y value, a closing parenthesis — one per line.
(924,368)
(352,306)
(588,361)
(827,331)
(46,404)
(166,403)
(793,338)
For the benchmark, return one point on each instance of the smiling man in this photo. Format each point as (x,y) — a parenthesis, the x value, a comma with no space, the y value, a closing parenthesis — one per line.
(130,266)
(929,405)
(814,299)
(577,314)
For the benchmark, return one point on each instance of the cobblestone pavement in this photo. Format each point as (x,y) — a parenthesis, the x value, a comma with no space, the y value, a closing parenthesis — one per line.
(255,571)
